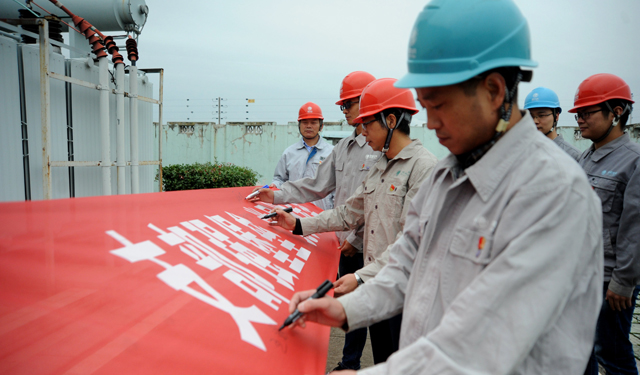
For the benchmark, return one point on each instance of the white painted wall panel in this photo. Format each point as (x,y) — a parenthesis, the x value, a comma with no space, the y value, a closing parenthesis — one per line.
(85,109)
(11,166)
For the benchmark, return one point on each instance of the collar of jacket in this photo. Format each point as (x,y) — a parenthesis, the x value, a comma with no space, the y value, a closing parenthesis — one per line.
(360,139)
(406,153)
(599,154)
(488,172)
(320,145)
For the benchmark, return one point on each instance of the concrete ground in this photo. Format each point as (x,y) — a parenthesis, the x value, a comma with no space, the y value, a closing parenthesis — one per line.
(336,342)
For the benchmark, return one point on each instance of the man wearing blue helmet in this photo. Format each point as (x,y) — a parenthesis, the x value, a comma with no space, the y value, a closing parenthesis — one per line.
(544,106)
(487,273)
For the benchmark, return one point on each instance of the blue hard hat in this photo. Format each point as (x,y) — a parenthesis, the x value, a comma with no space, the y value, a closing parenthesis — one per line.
(542,97)
(455,40)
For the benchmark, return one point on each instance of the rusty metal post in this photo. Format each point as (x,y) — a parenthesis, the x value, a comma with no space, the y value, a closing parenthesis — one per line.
(45,106)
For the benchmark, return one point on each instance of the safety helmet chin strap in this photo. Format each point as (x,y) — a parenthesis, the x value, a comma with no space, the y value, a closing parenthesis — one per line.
(555,121)
(468,159)
(616,121)
(390,131)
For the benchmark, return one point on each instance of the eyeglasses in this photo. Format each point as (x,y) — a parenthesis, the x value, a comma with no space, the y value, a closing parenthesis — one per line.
(585,115)
(540,116)
(347,105)
(364,124)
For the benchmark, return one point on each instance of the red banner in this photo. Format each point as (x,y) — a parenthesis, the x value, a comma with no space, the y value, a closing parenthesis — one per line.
(189,282)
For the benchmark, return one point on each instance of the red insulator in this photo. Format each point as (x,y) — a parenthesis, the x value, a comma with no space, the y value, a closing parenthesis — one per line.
(98,50)
(94,39)
(84,26)
(77,20)
(111,45)
(132,49)
(101,35)
(117,57)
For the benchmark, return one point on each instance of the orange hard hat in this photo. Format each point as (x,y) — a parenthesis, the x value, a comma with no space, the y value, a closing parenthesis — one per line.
(353,84)
(381,94)
(310,110)
(600,88)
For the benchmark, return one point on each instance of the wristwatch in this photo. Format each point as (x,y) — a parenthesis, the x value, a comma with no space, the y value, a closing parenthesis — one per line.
(358,279)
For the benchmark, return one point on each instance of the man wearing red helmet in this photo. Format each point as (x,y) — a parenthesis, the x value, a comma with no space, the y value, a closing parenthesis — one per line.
(302,158)
(343,171)
(602,106)
(382,200)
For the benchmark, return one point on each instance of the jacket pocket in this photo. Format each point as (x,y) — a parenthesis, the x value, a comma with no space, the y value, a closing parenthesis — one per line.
(606,190)
(474,246)
(394,199)
(469,253)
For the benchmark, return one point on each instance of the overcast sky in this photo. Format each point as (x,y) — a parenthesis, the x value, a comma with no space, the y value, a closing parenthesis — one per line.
(284,53)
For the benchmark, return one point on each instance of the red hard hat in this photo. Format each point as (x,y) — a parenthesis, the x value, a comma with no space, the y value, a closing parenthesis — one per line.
(353,84)
(598,89)
(310,110)
(381,94)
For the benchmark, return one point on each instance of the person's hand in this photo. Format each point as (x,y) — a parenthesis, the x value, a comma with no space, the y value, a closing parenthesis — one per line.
(344,372)
(345,284)
(347,249)
(283,219)
(326,310)
(617,302)
(266,195)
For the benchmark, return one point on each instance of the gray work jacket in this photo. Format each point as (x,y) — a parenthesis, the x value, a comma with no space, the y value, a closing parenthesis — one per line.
(293,166)
(498,271)
(567,147)
(343,171)
(614,174)
(381,203)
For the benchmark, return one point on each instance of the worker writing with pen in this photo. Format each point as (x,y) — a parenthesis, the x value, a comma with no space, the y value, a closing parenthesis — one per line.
(343,172)
(382,200)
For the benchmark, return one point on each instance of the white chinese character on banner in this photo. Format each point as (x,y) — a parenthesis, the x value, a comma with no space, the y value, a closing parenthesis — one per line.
(180,277)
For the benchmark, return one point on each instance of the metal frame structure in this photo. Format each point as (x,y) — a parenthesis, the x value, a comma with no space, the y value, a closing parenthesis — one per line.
(103,87)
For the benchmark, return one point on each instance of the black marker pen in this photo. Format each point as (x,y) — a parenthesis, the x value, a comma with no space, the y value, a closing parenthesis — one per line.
(274,214)
(320,292)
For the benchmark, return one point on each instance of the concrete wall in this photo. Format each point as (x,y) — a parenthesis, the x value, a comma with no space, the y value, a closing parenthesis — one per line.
(259,145)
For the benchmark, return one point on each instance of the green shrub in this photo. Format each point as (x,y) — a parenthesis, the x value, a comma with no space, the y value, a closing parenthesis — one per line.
(206,176)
